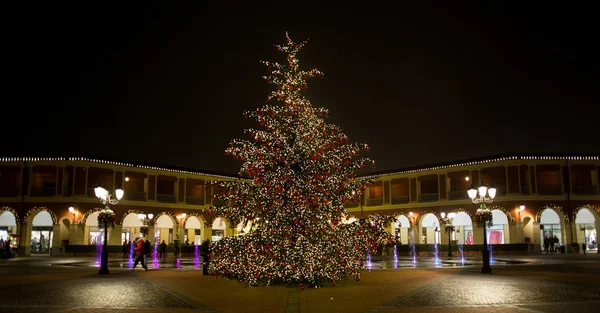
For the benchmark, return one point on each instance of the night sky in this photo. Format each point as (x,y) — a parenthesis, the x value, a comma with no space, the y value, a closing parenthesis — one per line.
(168,83)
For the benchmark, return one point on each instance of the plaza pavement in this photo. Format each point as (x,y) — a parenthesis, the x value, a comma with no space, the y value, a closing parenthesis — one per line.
(547,283)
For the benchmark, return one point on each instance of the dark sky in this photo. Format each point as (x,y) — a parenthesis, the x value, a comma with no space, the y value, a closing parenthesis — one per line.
(168,83)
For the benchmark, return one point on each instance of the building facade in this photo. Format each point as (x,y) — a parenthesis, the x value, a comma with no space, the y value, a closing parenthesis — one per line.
(48,203)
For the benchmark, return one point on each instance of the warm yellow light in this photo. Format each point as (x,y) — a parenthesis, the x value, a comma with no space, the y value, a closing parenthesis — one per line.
(71,209)
(522,208)
(183,215)
(126,178)
(467,178)
(410,214)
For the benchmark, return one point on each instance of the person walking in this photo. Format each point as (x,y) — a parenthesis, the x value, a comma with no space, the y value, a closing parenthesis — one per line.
(162,251)
(583,247)
(139,251)
(125,249)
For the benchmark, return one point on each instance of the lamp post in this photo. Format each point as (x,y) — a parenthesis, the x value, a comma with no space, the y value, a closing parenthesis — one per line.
(521,209)
(72,211)
(447,220)
(106,198)
(145,219)
(412,225)
(483,195)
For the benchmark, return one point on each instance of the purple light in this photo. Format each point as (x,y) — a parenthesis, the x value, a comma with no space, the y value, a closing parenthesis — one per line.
(130,261)
(155,255)
(99,250)
(178,263)
(196,257)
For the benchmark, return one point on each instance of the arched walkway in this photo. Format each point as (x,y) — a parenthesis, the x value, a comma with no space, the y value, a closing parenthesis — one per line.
(42,227)
(401,228)
(164,228)
(218,229)
(8,224)
(8,228)
(193,230)
(463,228)
(551,225)
(586,230)
(131,227)
(430,226)
(94,235)
(498,232)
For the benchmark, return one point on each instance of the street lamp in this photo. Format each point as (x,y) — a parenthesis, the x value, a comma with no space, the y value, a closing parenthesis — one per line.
(483,195)
(521,209)
(106,198)
(145,219)
(412,225)
(447,221)
(72,211)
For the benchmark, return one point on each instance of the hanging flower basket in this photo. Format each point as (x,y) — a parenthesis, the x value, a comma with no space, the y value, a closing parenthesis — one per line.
(106,217)
(483,216)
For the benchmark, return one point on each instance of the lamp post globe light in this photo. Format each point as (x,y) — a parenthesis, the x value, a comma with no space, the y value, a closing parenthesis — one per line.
(106,198)
(483,195)
(447,221)
(145,219)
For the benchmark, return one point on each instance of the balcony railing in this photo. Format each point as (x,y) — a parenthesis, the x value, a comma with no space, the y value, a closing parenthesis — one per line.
(428,197)
(585,190)
(550,190)
(351,204)
(194,200)
(400,200)
(457,194)
(43,192)
(165,198)
(135,196)
(67,191)
(525,190)
(500,191)
(374,202)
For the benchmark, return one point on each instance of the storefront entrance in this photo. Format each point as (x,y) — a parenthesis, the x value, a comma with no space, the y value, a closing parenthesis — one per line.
(41,239)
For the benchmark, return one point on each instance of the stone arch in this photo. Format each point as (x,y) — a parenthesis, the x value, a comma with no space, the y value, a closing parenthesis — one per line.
(432,235)
(422,214)
(170,214)
(463,210)
(554,207)
(586,231)
(12,229)
(592,208)
(501,208)
(33,212)
(135,211)
(26,241)
(560,231)
(405,218)
(190,231)
(87,214)
(11,210)
(198,215)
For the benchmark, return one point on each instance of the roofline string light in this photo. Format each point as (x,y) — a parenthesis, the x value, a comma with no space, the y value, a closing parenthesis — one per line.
(423,169)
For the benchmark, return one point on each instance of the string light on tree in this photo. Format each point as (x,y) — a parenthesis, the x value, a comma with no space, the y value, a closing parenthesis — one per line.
(300,171)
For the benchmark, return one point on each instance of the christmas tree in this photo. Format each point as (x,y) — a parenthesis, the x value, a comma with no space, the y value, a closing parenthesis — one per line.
(297,173)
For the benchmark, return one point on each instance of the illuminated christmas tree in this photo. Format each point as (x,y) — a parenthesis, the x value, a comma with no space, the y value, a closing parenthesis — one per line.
(297,173)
